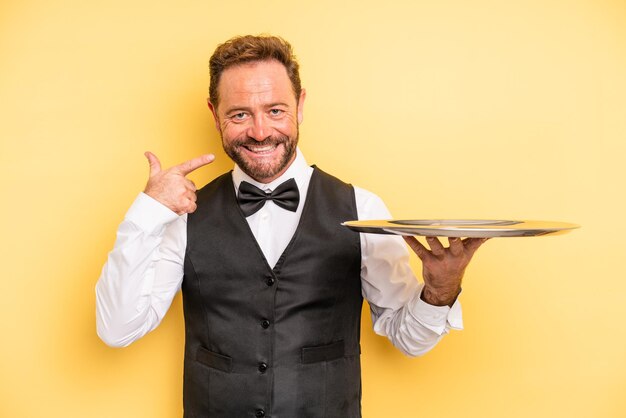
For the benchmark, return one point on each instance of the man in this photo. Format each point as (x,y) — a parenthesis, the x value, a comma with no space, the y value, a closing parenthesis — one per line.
(272,284)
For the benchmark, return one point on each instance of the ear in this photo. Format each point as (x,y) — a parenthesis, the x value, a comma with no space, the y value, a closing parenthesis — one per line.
(301,106)
(214,112)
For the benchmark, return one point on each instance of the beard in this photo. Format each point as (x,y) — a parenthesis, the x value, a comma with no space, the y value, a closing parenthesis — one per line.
(261,170)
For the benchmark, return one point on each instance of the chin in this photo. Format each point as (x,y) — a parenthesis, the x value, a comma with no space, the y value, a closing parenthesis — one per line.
(266,171)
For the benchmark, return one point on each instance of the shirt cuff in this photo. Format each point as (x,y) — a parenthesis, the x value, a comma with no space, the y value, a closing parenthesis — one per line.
(150,215)
(436,318)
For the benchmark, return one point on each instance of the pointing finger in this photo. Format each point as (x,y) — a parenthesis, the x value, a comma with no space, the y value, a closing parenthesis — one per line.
(193,164)
(155,164)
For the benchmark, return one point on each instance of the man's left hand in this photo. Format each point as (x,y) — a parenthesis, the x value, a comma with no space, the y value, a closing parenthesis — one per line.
(443,267)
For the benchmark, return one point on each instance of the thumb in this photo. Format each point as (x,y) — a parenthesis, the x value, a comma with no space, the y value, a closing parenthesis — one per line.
(155,164)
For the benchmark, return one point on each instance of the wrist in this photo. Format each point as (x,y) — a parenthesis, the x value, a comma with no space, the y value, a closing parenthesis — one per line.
(439,297)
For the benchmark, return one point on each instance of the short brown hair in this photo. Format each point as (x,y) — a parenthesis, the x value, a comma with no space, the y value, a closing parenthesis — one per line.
(247,49)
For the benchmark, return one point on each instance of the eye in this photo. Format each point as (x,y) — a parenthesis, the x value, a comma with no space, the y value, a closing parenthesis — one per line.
(276,112)
(239,116)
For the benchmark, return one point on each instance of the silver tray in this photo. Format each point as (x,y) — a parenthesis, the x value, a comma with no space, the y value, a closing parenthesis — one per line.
(462,228)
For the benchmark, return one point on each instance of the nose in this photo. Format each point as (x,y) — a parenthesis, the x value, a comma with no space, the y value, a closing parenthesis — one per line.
(259,130)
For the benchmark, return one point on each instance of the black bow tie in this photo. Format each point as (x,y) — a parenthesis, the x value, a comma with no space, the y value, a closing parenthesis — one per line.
(251,198)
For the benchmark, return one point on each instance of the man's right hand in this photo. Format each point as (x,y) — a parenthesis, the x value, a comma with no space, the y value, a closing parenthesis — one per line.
(170,187)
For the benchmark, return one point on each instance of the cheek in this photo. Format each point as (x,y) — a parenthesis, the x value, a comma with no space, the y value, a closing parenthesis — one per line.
(287,127)
(232,130)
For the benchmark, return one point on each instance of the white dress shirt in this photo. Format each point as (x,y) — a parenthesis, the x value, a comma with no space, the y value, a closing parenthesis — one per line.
(144,271)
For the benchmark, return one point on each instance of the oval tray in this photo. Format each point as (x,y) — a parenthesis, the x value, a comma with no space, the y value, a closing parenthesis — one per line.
(462,228)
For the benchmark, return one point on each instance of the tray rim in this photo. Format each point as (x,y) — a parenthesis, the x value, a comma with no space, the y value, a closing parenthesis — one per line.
(480,228)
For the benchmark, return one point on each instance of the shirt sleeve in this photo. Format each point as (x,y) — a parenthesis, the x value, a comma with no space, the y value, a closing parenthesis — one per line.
(143,272)
(392,291)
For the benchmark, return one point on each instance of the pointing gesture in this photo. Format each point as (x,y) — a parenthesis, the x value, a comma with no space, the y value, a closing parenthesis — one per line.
(443,268)
(170,187)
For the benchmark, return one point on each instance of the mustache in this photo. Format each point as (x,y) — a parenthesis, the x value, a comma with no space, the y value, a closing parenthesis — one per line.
(270,140)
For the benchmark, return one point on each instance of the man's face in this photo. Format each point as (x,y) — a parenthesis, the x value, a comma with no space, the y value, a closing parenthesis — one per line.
(258,117)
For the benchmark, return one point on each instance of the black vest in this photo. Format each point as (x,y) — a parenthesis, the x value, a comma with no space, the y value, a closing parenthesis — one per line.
(281,342)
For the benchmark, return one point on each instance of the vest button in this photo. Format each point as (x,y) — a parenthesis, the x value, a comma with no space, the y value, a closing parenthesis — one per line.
(262,367)
(265,324)
(259,413)
(270,281)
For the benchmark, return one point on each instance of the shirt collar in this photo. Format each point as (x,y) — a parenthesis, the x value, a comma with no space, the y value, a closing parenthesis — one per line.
(298,170)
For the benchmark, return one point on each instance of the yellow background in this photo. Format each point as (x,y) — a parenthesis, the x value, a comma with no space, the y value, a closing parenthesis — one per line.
(470,109)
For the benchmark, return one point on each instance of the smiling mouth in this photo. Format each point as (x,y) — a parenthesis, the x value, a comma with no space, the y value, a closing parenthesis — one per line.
(261,150)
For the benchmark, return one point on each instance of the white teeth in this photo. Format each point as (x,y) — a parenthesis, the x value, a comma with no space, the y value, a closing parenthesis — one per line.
(260,150)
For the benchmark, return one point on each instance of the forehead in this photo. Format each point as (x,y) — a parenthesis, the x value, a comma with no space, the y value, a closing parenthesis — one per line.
(258,81)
